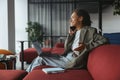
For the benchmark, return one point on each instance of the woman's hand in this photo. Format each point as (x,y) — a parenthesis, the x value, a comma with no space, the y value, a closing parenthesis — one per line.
(71,32)
(80,48)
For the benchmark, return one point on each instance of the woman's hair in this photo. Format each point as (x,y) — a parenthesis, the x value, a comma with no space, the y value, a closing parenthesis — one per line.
(86,17)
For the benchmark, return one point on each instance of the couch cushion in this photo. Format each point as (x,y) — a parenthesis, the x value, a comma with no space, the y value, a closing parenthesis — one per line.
(57,50)
(67,75)
(59,45)
(29,55)
(12,74)
(6,52)
(104,62)
(46,50)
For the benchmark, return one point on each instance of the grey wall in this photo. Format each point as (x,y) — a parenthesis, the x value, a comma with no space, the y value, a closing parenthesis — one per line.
(111,23)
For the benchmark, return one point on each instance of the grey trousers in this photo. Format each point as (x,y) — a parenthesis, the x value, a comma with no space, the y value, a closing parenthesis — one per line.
(49,59)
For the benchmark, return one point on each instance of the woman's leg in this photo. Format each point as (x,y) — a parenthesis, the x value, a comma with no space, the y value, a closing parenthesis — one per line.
(36,62)
(49,59)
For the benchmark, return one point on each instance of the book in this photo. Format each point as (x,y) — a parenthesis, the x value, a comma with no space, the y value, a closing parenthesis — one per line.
(53,70)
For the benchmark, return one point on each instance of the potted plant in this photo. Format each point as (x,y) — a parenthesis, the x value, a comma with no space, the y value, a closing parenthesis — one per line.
(35,32)
(116,6)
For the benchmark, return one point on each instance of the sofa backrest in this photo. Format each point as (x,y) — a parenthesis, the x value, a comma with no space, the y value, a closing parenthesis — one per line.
(58,48)
(104,62)
(59,45)
(114,38)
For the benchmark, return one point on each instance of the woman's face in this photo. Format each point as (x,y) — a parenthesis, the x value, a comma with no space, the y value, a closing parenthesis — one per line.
(74,20)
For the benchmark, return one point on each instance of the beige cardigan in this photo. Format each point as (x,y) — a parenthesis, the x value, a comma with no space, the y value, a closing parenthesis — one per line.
(91,39)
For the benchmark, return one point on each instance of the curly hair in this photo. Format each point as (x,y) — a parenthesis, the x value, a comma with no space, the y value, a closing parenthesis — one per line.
(86,17)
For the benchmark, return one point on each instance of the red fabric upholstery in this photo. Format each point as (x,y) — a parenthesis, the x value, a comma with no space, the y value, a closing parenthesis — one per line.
(67,75)
(104,63)
(57,50)
(46,50)
(12,74)
(29,55)
(59,45)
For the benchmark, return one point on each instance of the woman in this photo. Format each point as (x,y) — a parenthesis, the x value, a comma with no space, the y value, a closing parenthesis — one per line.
(81,39)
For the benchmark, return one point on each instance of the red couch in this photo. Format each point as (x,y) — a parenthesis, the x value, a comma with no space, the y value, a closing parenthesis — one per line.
(103,64)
